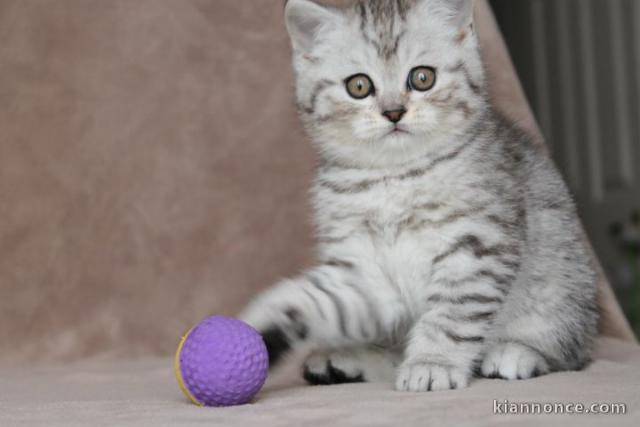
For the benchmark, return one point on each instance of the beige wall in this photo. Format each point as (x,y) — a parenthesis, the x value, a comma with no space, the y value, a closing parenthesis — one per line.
(152,169)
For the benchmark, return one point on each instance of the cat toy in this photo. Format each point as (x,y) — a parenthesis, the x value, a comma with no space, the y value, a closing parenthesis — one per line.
(221,362)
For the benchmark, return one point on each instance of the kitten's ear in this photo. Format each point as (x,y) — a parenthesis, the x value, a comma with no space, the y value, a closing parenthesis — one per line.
(463,13)
(305,19)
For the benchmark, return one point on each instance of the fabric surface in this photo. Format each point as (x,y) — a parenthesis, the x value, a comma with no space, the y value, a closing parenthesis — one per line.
(146,394)
(153,170)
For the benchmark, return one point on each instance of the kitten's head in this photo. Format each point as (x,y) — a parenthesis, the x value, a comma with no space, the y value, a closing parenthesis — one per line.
(385,81)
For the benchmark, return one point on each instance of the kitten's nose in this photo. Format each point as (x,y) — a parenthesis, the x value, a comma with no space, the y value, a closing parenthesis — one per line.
(395,116)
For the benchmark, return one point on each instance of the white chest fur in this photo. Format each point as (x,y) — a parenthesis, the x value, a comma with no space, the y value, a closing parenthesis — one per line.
(376,229)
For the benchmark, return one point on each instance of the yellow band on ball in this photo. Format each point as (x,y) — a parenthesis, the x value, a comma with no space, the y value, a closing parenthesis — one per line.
(176,366)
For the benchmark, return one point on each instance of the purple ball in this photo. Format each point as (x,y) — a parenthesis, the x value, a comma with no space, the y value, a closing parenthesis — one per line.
(221,362)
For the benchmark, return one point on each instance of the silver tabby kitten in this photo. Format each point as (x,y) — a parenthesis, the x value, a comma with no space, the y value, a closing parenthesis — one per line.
(448,242)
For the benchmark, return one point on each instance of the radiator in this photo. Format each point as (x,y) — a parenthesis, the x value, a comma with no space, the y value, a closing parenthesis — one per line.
(579,61)
(586,61)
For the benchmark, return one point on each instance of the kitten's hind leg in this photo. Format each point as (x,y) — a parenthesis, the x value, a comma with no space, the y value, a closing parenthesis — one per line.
(360,364)
(533,338)
(513,360)
(548,324)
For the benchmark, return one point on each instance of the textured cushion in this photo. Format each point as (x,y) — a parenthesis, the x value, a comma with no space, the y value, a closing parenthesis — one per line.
(145,393)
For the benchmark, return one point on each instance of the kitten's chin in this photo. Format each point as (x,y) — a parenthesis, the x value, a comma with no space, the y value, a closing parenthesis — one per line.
(397,135)
(392,150)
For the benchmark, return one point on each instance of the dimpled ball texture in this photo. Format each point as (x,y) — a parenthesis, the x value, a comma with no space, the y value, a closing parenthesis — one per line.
(222,362)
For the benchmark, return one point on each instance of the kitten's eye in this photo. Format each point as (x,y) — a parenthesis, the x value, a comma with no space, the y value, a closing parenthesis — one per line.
(359,86)
(422,78)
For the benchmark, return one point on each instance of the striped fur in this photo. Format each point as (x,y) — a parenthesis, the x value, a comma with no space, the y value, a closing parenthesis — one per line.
(449,248)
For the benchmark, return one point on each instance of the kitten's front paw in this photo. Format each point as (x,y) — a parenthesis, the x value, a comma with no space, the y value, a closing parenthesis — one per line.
(281,329)
(323,369)
(424,376)
(277,343)
(511,361)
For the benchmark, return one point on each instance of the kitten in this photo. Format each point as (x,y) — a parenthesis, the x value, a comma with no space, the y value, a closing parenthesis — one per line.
(448,242)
